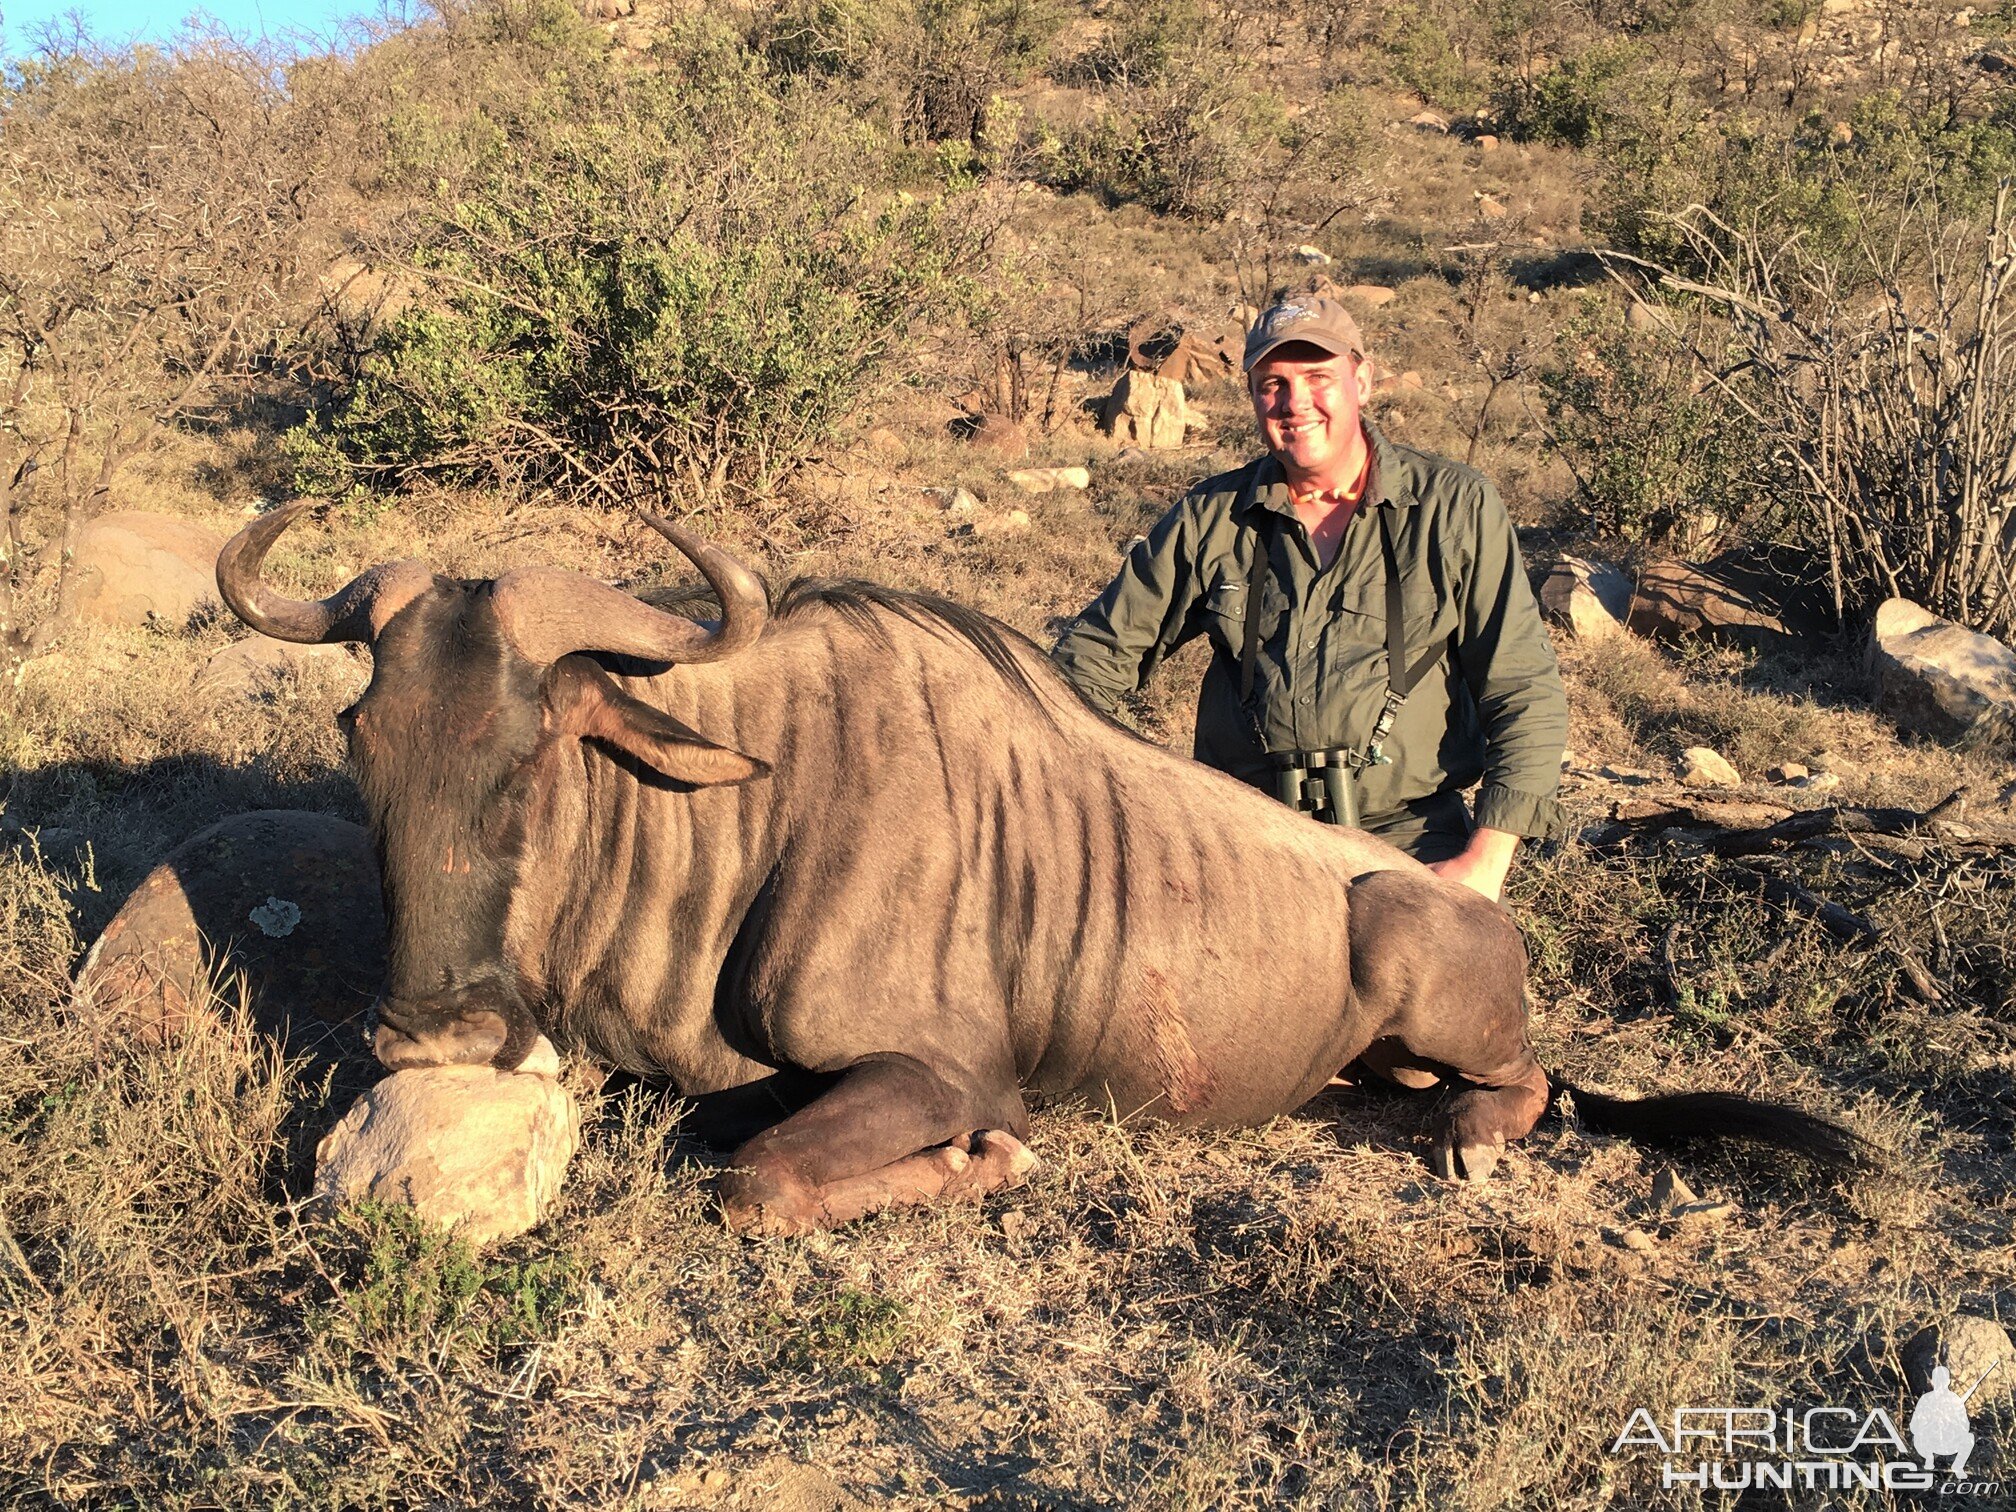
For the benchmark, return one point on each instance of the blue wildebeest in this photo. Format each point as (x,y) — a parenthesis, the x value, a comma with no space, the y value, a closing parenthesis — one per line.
(873,835)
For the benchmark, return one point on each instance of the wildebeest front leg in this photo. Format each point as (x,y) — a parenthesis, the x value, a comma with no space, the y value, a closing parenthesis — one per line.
(1442,972)
(891,1132)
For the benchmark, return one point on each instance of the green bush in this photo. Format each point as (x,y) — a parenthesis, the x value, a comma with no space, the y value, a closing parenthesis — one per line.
(670,285)
(1653,459)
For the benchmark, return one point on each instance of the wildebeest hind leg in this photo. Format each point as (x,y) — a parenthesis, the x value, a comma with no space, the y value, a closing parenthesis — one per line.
(1442,971)
(891,1132)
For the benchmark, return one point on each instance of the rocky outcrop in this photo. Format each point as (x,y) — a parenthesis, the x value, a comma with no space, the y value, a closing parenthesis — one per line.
(469,1148)
(1677,601)
(137,569)
(288,898)
(1943,680)
(1149,411)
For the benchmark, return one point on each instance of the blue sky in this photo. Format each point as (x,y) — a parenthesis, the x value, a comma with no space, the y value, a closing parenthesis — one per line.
(306,24)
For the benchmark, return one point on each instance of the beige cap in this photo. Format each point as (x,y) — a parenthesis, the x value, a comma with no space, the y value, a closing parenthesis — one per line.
(1321,322)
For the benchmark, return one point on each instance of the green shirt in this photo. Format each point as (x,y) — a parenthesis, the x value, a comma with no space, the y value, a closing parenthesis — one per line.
(1491,710)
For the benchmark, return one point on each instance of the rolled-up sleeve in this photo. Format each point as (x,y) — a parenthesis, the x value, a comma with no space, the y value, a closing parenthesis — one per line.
(1508,663)
(1145,613)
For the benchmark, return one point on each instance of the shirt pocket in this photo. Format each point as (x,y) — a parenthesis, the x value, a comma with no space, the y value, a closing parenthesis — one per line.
(1361,615)
(1224,613)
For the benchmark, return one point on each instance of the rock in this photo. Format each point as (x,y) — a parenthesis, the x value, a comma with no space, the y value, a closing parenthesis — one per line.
(136,569)
(1697,1215)
(1642,318)
(956,502)
(1149,411)
(468,1148)
(1015,521)
(1634,1239)
(1818,782)
(1430,121)
(1968,1346)
(1314,257)
(1789,771)
(1589,599)
(1940,679)
(1042,480)
(1729,600)
(1701,767)
(1670,1191)
(289,898)
(1491,208)
(1372,296)
(997,433)
(885,445)
(258,665)
(1204,355)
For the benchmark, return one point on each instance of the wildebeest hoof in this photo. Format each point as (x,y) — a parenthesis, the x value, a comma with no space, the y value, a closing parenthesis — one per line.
(767,1205)
(1000,1162)
(1466,1162)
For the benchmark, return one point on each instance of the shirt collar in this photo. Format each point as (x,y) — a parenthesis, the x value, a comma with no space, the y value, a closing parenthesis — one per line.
(1388,483)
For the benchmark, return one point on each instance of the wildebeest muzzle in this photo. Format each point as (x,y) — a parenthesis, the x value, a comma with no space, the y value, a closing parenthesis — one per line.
(485,1022)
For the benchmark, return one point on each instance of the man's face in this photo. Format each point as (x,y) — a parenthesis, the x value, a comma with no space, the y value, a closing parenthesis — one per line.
(1307,403)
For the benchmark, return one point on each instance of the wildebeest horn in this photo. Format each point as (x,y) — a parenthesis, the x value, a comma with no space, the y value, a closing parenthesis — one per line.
(548,613)
(355,612)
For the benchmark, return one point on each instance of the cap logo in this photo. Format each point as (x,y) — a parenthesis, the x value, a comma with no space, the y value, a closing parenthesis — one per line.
(1286,314)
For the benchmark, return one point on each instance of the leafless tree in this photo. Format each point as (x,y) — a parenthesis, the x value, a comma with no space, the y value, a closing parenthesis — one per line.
(152,209)
(1897,412)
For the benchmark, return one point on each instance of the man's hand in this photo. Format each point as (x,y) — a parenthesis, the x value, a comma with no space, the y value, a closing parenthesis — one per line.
(1483,863)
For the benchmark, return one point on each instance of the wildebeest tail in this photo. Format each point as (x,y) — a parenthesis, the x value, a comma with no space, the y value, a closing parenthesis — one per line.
(1679,1117)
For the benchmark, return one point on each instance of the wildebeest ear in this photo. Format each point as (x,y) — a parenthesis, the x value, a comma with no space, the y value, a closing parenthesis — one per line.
(585,701)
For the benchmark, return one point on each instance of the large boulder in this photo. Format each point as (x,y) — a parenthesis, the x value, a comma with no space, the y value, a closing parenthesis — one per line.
(1588,599)
(468,1148)
(290,899)
(1941,679)
(1735,600)
(1149,411)
(137,569)
(259,665)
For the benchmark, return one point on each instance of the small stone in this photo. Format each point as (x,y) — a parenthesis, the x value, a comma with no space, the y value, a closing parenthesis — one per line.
(1969,1347)
(1372,296)
(885,445)
(1150,411)
(1634,1239)
(1789,771)
(1642,318)
(468,1148)
(1014,1223)
(1701,767)
(714,1480)
(1313,256)
(1487,143)
(997,433)
(1819,782)
(1670,1191)
(1042,480)
(1491,208)
(1015,521)
(957,502)
(1430,121)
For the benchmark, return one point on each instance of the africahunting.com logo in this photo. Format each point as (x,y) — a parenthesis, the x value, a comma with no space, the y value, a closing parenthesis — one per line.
(1815,1448)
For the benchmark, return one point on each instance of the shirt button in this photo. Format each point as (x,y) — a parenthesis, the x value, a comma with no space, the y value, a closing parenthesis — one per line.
(1308,698)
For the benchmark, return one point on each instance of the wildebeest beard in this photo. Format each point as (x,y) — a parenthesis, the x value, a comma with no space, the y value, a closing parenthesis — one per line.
(441,744)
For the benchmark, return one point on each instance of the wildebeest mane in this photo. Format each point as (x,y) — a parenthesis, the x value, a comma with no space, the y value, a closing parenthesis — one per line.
(856,600)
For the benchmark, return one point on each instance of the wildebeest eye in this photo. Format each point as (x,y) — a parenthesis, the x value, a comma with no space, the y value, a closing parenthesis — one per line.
(347,718)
